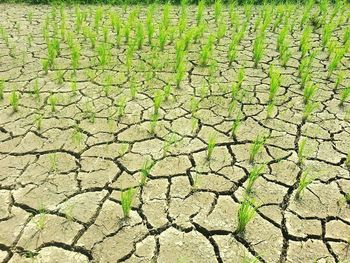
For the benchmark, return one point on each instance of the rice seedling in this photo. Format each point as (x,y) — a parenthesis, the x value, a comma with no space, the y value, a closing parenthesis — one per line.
(126,198)
(194,124)
(205,53)
(171,140)
(14,100)
(166,16)
(339,79)
(339,54)
(309,92)
(157,101)
(75,55)
(258,48)
(211,146)
(103,54)
(275,82)
(46,65)
(221,30)
(301,151)
(253,176)
(162,38)
(305,180)
(327,34)
(194,106)
(200,11)
(153,124)
(38,120)
(139,35)
(121,105)
(77,136)
(180,73)
(309,108)
(269,109)
(98,18)
(2,87)
(236,123)
(305,41)
(245,214)
(217,9)
(149,23)
(344,95)
(59,77)
(41,221)
(133,89)
(145,171)
(256,147)
(53,162)
(167,91)
(232,50)
(182,23)
(52,100)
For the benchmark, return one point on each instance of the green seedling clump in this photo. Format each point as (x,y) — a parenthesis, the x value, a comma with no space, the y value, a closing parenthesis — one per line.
(305,180)
(245,214)
(211,146)
(253,176)
(2,87)
(145,171)
(126,198)
(344,95)
(14,100)
(256,147)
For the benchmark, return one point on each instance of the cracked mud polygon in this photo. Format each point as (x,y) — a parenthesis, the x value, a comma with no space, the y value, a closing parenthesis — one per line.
(81,125)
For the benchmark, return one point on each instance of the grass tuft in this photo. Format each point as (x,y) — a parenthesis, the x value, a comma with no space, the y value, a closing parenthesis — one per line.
(126,198)
(256,147)
(245,214)
(305,180)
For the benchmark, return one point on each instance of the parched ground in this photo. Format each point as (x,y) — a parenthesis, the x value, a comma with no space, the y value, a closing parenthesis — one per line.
(62,171)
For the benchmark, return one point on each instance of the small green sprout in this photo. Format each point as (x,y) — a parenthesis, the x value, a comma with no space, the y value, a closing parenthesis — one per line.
(275,82)
(253,176)
(145,171)
(121,105)
(258,48)
(309,108)
(305,180)
(14,100)
(256,147)
(41,221)
(245,214)
(339,79)
(133,90)
(236,123)
(211,146)
(345,94)
(309,92)
(77,136)
(126,198)
(154,120)
(269,109)
(167,91)
(157,101)
(53,102)
(38,121)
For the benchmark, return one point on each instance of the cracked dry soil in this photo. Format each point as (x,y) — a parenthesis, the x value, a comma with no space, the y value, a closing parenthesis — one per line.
(62,171)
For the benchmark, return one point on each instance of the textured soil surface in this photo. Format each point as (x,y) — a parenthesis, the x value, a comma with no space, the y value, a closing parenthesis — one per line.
(64,165)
